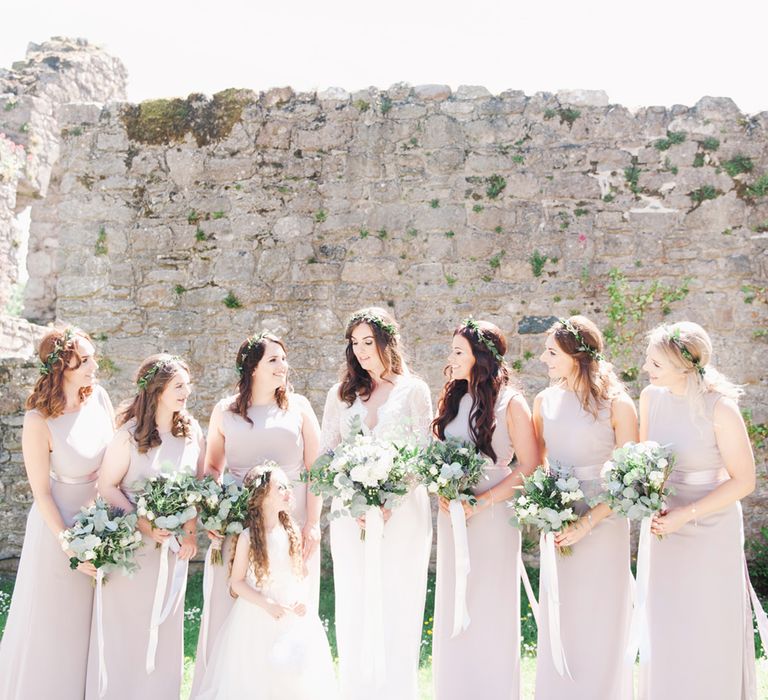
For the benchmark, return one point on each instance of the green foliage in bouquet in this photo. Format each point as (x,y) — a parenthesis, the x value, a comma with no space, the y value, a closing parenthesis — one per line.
(452,469)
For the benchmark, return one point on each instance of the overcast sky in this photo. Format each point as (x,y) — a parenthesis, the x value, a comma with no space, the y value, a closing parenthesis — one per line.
(650,52)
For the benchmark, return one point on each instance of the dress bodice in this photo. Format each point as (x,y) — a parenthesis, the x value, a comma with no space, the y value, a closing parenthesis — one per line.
(274,434)
(80,438)
(405,415)
(282,584)
(501,440)
(172,455)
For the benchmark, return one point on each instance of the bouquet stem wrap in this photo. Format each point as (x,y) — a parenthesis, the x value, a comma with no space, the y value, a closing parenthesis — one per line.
(373,619)
(160,612)
(549,584)
(103,678)
(638,628)
(461,558)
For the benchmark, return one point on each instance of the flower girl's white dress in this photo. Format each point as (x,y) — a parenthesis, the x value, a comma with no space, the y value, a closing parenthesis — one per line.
(257,656)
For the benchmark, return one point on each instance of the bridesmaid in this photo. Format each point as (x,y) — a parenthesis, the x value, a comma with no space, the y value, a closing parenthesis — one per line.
(697,594)
(265,420)
(68,424)
(156,435)
(377,389)
(479,404)
(580,419)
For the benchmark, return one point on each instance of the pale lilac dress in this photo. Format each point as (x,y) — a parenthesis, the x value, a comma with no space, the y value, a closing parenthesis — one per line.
(276,435)
(483,661)
(595,583)
(44,649)
(699,617)
(127,601)
(404,555)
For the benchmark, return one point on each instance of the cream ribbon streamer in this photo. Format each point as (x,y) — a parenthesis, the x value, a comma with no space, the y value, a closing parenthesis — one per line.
(160,612)
(373,617)
(208,576)
(757,608)
(549,584)
(103,678)
(461,559)
(638,627)
(528,588)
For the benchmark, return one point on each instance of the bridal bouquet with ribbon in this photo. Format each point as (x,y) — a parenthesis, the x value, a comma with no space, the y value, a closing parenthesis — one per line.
(452,469)
(167,501)
(103,536)
(108,539)
(635,486)
(362,472)
(547,503)
(635,479)
(223,509)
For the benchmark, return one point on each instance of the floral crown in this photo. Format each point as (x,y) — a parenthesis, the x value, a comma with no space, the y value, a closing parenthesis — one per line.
(582,344)
(46,367)
(145,379)
(470,323)
(262,474)
(373,320)
(252,342)
(674,338)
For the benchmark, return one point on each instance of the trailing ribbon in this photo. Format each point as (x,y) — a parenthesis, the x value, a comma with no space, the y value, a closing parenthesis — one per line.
(461,560)
(528,588)
(103,678)
(549,585)
(208,576)
(757,608)
(160,612)
(638,627)
(373,618)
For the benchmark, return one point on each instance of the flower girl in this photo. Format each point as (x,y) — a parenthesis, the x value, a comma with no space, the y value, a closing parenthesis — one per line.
(271,646)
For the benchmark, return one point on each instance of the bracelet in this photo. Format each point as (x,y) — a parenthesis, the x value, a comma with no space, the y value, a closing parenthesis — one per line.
(693,513)
(589,518)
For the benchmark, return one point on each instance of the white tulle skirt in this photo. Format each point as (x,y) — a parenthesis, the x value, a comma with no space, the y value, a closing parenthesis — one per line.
(257,656)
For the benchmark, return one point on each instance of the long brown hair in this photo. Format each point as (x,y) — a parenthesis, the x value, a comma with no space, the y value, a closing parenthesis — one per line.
(595,384)
(355,381)
(249,355)
(153,376)
(58,353)
(489,375)
(257,481)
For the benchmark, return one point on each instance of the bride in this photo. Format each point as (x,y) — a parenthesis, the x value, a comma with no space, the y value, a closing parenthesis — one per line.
(378,393)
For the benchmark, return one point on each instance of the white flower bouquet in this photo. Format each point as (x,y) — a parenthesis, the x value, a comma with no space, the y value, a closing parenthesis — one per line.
(451,468)
(361,472)
(169,500)
(104,536)
(547,503)
(635,479)
(223,509)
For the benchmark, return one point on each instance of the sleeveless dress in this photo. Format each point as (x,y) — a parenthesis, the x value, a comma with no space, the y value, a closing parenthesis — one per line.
(44,650)
(257,656)
(699,617)
(127,601)
(404,556)
(595,583)
(275,435)
(483,661)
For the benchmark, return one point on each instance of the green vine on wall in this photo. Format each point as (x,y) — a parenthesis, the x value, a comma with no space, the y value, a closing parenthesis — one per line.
(629,306)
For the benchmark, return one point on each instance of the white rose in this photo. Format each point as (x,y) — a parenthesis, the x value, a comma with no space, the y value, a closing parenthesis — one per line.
(433,487)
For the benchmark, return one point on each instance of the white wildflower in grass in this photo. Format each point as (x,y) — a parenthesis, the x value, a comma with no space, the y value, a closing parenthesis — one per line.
(363,471)
(451,468)
(635,479)
(223,508)
(546,503)
(164,501)
(103,536)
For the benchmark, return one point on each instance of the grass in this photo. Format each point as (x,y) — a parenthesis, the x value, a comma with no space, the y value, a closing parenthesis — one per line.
(194,605)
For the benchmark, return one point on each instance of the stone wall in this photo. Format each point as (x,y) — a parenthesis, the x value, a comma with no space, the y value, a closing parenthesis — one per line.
(187,224)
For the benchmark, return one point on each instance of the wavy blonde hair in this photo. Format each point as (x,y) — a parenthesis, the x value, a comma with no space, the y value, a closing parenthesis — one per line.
(667,339)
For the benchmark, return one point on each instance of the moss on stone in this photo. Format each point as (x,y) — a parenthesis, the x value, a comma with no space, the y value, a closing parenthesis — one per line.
(169,121)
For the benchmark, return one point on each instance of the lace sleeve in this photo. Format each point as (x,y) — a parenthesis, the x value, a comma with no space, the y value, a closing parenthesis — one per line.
(420,409)
(330,434)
